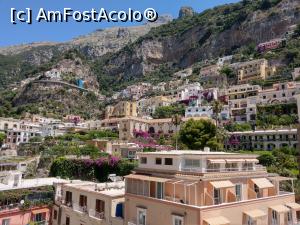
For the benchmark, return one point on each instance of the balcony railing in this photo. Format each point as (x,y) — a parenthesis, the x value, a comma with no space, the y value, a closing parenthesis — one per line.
(79,208)
(97,215)
(217,170)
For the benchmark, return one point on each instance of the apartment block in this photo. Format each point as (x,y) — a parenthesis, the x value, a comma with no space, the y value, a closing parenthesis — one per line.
(242,100)
(147,106)
(207,188)
(88,203)
(279,93)
(121,109)
(254,70)
(262,139)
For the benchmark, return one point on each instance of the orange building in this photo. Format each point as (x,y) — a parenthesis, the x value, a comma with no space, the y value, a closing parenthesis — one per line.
(207,188)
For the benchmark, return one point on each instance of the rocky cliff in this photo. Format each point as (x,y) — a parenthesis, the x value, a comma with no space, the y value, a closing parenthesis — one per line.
(213,33)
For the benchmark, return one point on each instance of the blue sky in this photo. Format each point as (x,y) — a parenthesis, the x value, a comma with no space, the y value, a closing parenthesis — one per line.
(24,33)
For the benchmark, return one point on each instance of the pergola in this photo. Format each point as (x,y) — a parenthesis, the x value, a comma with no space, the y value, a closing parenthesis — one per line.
(187,189)
(279,179)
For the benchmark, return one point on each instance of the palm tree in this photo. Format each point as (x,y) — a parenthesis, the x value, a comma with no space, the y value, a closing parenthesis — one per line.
(217,107)
(176,120)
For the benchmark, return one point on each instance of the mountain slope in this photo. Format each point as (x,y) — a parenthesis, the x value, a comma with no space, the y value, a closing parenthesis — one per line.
(19,62)
(183,42)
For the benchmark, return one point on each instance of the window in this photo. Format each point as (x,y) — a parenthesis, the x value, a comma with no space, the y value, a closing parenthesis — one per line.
(290,217)
(143,160)
(39,217)
(5,221)
(141,215)
(100,206)
(217,196)
(238,192)
(250,221)
(158,161)
(159,190)
(274,218)
(168,161)
(68,198)
(82,200)
(55,214)
(192,163)
(67,220)
(178,220)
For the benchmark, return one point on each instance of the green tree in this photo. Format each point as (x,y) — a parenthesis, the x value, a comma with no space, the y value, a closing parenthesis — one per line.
(169,111)
(267,159)
(217,107)
(2,138)
(197,134)
(297,31)
(176,120)
(228,72)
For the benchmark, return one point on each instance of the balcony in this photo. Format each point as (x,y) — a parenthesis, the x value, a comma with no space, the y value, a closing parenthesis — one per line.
(222,170)
(98,215)
(78,208)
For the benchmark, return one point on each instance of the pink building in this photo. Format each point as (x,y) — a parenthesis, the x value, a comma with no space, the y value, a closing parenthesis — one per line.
(13,215)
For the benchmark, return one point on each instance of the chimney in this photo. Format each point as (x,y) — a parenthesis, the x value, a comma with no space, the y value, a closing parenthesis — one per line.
(206,149)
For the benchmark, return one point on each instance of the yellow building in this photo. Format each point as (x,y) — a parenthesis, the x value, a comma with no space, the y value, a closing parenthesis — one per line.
(122,109)
(254,70)
(147,106)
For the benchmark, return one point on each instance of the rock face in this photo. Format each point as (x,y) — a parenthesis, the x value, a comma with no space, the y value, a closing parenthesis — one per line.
(202,39)
(95,44)
(128,53)
(186,11)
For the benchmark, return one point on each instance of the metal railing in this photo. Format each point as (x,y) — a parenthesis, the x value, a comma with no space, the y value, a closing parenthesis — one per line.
(79,208)
(216,170)
(95,214)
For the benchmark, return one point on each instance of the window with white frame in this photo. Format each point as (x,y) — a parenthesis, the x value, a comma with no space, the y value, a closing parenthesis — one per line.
(159,190)
(217,196)
(192,163)
(141,216)
(275,218)
(178,220)
(238,192)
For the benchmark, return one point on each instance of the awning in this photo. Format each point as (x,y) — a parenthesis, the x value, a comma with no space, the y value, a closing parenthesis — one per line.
(234,160)
(280,208)
(256,213)
(293,205)
(262,183)
(222,184)
(37,211)
(219,220)
(147,178)
(216,161)
(252,160)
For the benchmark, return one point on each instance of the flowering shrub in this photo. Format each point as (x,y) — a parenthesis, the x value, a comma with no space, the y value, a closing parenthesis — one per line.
(89,169)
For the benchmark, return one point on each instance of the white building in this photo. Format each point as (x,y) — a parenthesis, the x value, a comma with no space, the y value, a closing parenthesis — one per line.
(53,74)
(225,60)
(197,110)
(15,137)
(242,100)
(263,139)
(189,91)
